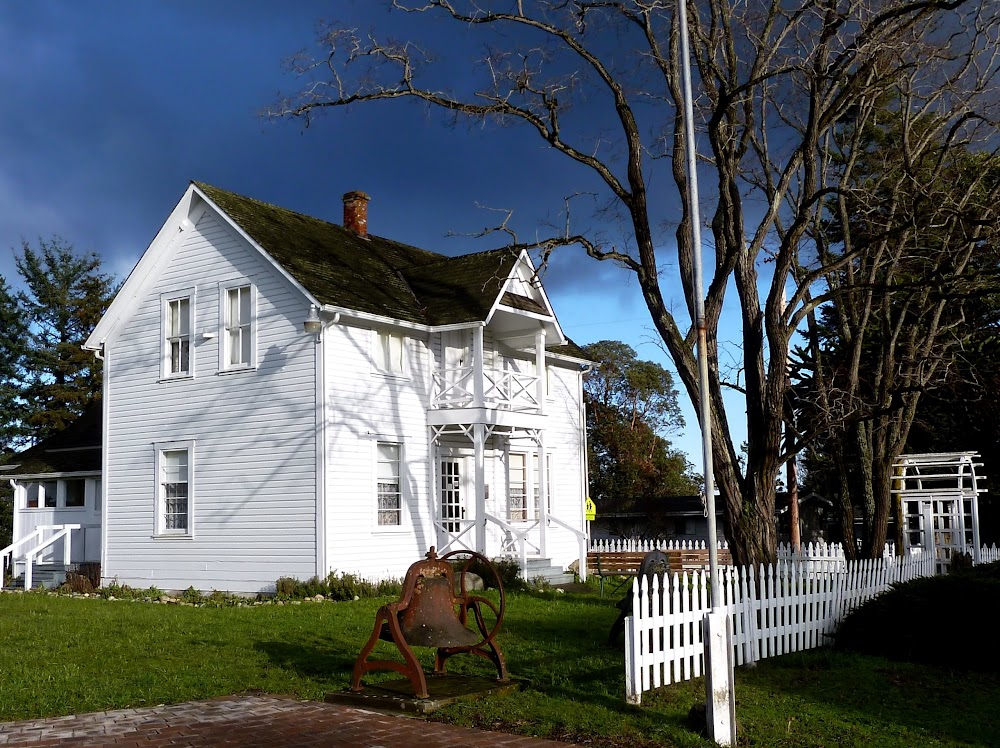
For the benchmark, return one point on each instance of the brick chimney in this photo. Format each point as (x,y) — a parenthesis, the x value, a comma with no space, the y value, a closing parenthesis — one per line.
(356,212)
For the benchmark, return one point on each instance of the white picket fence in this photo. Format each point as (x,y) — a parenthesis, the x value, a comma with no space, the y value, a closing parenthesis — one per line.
(775,610)
(807,550)
(629,545)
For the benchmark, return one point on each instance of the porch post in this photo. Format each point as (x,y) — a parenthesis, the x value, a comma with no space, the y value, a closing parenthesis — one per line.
(479,442)
(543,493)
(477,367)
(433,495)
(19,501)
(540,369)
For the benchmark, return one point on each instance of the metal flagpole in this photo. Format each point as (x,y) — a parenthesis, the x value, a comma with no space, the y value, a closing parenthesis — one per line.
(717,627)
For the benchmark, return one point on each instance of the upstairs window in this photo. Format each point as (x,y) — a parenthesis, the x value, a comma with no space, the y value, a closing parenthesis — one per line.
(239,313)
(390,495)
(177,333)
(388,353)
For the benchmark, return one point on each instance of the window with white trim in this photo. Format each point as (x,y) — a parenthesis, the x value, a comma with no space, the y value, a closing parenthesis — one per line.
(517,472)
(32,494)
(518,487)
(64,493)
(239,315)
(548,485)
(174,488)
(389,484)
(177,325)
(76,493)
(388,353)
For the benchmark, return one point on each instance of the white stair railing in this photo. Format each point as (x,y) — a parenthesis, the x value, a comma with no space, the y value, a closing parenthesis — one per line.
(62,532)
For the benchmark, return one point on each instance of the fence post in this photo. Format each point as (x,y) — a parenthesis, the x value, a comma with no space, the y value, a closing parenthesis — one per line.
(719,678)
(633,688)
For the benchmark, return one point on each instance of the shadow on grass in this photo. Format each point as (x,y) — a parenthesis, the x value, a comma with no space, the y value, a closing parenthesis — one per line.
(942,703)
(310,661)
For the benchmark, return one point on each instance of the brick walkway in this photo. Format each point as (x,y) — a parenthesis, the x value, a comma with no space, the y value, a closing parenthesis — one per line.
(252,722)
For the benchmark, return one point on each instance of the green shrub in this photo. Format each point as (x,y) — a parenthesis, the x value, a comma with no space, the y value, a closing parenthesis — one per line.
(947,621)
(336,587)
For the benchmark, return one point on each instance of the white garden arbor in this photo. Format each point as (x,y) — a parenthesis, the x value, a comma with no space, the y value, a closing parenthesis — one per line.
(939,492)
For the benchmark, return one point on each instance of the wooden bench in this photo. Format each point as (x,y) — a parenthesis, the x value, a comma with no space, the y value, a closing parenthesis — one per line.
(626,563)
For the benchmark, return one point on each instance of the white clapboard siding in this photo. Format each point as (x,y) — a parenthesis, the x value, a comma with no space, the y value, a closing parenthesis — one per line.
(254,479)
(364,407)
(775,610)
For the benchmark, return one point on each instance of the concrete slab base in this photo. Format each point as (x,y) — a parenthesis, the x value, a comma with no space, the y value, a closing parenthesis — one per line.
(443,690)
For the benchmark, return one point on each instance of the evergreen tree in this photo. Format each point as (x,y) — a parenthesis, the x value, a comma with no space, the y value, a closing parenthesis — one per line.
(65,295)
(12,339)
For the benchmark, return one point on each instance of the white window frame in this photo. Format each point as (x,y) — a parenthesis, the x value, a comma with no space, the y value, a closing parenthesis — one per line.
(160,504)
(386,368)
(401,470)
(166,299)
(64,493)
(56,499)
(523,467)
(531,498)
(225,325)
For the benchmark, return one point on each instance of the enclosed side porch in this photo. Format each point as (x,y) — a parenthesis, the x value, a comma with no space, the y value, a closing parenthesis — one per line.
(56,527)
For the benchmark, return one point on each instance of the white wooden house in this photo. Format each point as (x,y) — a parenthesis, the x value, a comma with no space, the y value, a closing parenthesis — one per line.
(288,397)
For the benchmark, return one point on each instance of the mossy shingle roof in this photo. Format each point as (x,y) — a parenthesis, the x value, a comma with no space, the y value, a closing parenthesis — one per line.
(370,274)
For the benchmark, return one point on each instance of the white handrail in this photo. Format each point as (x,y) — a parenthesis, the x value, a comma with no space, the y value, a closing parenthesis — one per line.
(63,531)
(521,537)
(9,550)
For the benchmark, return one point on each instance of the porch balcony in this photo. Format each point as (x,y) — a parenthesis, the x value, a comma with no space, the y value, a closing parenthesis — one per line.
(471,387)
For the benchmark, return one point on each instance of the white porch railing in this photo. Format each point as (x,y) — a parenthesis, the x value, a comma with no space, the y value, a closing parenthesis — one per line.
(518,541)
(517,537)
(62,532)
(506,390)
(450,533)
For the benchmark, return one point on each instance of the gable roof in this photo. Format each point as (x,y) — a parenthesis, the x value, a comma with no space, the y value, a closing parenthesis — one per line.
(75,449)
(339,270)
(370,274)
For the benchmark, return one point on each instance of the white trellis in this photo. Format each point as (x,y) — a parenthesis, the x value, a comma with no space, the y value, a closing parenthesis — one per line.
(940,491)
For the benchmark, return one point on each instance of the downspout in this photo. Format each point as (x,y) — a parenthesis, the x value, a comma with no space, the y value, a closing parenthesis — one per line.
(585,478)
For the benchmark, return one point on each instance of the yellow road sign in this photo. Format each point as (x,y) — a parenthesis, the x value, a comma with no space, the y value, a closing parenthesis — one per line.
(591,511)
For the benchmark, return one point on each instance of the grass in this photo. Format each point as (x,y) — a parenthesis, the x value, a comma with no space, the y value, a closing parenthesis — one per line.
(64,655)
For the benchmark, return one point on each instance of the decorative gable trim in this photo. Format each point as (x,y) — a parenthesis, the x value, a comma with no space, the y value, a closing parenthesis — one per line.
(511,301)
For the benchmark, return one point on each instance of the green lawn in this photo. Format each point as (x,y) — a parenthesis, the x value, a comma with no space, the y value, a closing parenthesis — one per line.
(64,655)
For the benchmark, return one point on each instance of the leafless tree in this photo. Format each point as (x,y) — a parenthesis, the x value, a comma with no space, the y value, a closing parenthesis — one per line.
(599,82)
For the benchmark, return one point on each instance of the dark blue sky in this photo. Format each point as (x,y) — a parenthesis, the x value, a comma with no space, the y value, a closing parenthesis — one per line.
(110,108)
